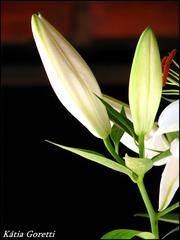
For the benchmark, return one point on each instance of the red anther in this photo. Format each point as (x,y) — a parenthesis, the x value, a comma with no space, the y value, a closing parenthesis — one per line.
(166,62)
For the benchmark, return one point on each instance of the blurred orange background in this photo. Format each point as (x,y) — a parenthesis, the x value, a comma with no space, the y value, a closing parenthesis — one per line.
(87,21)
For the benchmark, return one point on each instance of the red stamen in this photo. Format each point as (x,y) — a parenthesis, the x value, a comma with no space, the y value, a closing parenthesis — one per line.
(166,62)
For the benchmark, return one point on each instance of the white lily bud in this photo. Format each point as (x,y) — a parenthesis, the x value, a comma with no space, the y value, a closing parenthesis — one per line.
(145,86)
(70,77)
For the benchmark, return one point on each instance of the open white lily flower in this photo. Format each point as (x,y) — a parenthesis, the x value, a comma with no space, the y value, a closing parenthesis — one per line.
(155,141)
(70,77)
(169,122)
(170,177)
(169,118)
(152,144)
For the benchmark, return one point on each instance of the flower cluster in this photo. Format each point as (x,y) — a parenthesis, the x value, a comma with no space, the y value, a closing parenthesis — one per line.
(134,125)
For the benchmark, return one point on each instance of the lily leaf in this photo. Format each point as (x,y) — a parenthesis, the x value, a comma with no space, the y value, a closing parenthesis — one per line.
(172,231)
(117,133)
(172,135)
(127,234)
(161,155)
(122,121)
(170,218)
(98,158)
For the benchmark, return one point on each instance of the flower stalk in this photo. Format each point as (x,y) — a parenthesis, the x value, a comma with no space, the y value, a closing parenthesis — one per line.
(152,214)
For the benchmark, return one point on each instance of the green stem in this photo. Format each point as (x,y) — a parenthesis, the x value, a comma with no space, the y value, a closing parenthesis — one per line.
(117,149)
(111,150)
(141,145)
(152,214)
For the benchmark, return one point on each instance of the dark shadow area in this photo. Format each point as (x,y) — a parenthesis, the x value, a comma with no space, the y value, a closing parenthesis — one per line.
(45,188)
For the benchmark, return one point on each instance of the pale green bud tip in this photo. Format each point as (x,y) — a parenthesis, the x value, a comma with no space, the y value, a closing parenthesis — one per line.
(145,86)
(138,165)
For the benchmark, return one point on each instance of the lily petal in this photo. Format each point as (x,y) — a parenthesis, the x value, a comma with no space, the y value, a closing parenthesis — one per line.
(170,177)
(128,141)
(169,118)
(175,148)
(70,77)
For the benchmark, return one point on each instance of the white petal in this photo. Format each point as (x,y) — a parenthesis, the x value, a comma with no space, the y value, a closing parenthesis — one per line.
(175,148)
(169,118)
(155,142)
(169,182)
(128,141)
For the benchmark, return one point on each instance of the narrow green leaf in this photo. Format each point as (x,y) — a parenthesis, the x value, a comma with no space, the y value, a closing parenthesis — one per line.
(122,121)
(172,231)
(117,133)
(98,158)
(127,234)
(172,135)
(161,155)
(168,210)
(170,218)
(141,215)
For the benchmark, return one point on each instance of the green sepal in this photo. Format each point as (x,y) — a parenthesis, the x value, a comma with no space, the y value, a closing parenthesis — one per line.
(127,234)
(98,158)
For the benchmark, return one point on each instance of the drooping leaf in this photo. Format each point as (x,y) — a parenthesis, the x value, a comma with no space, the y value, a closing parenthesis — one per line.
(172,231)
(98,158)
(127,234)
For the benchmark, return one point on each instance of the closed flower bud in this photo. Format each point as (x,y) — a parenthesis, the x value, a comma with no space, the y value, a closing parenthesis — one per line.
(70,77)
(138,165)
(145,85)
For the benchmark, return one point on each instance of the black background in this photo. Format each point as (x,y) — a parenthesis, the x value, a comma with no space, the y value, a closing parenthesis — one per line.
(45,188)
